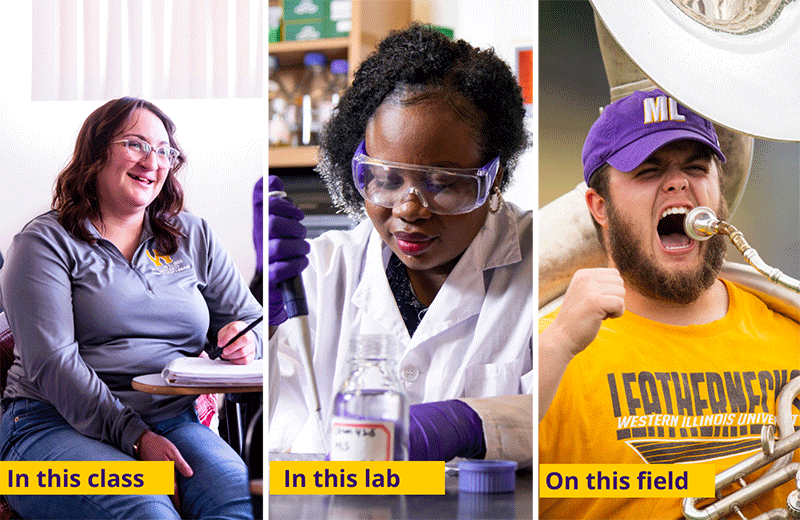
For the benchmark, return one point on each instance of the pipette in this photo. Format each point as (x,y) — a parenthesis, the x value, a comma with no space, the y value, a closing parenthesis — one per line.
(294,300)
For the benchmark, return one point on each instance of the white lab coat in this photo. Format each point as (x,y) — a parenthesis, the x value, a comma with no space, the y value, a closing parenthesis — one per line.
(474,341)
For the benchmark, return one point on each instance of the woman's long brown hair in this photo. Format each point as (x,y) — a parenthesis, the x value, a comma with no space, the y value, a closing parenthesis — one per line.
(75,196)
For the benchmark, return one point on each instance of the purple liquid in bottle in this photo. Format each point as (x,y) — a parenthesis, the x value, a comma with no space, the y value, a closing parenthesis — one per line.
(370,411)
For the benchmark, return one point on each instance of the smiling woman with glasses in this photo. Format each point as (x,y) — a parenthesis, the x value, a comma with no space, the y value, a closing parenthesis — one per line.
(79,190)
(419,149)
(113,283)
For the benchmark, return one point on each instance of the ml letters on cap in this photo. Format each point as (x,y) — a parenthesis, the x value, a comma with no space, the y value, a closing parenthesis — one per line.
(660,109)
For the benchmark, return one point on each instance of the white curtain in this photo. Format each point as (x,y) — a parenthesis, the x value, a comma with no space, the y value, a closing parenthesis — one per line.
(155,49)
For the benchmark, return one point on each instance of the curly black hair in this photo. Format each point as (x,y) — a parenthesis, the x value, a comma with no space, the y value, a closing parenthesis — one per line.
(421,60)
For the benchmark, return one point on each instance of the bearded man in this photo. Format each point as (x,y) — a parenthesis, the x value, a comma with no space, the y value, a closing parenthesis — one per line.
(654,359)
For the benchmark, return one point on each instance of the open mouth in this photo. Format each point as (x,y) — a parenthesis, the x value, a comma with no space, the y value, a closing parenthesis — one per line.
(670,229)
(141,179)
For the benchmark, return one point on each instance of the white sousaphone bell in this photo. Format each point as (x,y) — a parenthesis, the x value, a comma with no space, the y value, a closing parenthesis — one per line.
(733,62)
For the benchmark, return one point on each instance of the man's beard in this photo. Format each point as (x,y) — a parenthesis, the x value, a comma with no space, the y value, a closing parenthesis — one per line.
(650,279)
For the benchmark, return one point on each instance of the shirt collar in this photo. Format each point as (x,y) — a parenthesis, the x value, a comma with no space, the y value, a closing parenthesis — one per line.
(147,229)
(93,231)
(497,242)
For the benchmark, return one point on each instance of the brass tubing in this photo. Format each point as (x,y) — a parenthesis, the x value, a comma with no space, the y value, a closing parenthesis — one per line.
(752,257)
(784,420)
(727,504)
(780,472)
(701,223)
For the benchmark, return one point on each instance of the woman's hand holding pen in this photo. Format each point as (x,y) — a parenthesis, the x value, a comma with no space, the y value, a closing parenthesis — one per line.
(156,447)
(243,350)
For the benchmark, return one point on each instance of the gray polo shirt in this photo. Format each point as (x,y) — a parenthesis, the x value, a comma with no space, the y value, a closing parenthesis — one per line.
(86,321)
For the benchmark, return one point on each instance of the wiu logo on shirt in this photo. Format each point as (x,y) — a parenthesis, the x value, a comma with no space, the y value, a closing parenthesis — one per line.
(157,258)
(164,264)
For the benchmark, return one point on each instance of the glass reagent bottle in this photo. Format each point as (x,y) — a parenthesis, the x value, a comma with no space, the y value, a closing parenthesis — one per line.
(370,411)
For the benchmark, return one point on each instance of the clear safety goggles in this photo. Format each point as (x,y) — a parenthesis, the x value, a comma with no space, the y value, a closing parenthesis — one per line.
(445,191)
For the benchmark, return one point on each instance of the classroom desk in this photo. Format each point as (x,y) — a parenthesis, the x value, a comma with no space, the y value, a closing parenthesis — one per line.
(452,505)
(239,395)
(155,384)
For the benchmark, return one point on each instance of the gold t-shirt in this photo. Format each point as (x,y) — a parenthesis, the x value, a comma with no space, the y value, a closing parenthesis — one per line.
(647,393)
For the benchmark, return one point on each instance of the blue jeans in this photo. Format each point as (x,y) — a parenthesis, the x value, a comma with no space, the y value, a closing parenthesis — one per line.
(34,431)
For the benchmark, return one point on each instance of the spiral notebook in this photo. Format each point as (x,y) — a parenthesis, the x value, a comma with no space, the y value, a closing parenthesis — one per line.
(190,371)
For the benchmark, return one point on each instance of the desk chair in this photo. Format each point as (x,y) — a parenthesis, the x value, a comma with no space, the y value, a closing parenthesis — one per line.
(238,411)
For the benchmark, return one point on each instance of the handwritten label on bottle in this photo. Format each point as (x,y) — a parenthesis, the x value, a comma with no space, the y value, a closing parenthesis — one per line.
(361,439)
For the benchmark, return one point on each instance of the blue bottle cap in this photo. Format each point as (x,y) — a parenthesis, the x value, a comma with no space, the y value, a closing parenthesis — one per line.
(314,58)
(487,476)
(339,66)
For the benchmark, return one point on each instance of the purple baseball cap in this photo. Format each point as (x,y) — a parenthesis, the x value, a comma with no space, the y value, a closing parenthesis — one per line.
(631,128)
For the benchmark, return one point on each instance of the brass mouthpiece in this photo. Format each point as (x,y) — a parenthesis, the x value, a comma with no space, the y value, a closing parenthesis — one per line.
(701,223)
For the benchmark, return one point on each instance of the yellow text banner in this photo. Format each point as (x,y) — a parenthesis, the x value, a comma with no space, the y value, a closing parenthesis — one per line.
(626,480)
(356,478)
(87,478)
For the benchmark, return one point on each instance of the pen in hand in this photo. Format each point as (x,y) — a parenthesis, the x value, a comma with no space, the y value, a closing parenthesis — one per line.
(217,352)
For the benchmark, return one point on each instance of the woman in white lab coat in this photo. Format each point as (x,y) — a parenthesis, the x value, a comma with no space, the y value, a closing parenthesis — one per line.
(422,143)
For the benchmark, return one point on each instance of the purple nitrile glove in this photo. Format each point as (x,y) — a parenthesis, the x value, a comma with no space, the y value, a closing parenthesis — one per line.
(258,223)
(287,248)
(445,429)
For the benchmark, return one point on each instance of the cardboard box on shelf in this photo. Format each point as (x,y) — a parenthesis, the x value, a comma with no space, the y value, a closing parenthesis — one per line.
(295,31)
(310,10)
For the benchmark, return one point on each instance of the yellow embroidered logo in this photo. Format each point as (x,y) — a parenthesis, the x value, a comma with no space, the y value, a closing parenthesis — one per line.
(158,259)
(660,109)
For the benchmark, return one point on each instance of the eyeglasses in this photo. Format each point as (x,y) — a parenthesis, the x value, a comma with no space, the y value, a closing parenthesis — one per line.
(138,150)
(445,191)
